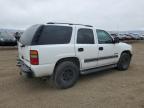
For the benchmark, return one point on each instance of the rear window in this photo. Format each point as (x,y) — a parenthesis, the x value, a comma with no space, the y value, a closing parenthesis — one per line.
(55,35)
(28,35)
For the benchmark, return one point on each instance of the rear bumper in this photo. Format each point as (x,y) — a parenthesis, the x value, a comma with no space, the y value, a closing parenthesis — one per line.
(24,69)
(35,70)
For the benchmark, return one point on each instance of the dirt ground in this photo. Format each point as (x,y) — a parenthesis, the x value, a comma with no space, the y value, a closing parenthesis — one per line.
(108,89)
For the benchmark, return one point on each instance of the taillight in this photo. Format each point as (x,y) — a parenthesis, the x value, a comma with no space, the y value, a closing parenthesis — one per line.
(34,60)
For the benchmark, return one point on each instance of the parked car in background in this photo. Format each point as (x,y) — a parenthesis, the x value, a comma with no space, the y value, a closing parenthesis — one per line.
(135,36)
(128,37)
(142,37)
(7,40)
(122,37)
(114,35)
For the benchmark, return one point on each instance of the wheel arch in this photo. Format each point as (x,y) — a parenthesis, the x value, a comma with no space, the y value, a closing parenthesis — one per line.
(128,52)
(73,59)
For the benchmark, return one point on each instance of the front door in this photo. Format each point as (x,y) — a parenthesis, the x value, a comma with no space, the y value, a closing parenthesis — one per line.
(106,55)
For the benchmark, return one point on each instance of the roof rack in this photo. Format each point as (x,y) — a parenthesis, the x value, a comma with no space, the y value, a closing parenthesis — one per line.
(68,24)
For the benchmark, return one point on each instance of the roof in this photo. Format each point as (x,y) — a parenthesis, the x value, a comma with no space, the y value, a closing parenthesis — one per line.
(69,24)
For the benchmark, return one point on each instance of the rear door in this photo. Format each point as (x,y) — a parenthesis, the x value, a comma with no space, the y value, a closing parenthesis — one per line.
(106,47)
(86,47)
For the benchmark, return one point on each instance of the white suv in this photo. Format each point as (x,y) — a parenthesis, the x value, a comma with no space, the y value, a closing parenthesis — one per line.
(63,51)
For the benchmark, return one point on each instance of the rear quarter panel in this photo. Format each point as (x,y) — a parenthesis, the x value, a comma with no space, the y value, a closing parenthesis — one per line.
(50,54)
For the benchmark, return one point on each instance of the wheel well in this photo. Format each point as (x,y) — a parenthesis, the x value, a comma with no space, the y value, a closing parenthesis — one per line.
(128,52)
(73,59)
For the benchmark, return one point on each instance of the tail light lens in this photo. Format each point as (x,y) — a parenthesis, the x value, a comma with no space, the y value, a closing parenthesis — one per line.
(34,60)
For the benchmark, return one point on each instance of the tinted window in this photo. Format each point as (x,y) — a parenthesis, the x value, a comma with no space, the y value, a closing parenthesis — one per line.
(103,37)
(28,35)
(55,35)
(85,36)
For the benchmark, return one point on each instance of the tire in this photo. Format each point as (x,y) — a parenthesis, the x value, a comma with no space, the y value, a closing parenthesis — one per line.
(66,75)
(124,61)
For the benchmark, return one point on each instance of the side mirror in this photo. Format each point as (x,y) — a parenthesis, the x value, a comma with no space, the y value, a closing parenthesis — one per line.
(116,40)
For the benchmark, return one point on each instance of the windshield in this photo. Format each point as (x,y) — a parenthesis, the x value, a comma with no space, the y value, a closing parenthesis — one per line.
(26,38)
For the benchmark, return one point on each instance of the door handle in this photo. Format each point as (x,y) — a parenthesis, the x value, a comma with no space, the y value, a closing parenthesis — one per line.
(80,49)
(101,48)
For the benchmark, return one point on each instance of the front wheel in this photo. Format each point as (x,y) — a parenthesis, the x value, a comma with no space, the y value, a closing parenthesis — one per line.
(66,74)
(124,61)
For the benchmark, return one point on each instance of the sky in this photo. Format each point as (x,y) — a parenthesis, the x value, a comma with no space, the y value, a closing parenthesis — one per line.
(103,14)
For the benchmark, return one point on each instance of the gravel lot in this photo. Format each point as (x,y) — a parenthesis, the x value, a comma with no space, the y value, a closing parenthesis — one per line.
(108,89)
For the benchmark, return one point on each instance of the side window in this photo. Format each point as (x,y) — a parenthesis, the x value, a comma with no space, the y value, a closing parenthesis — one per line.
(55,35)
(85,36)
(103,37)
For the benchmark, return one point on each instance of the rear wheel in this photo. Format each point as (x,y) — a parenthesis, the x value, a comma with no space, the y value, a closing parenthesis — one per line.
(124,61)
(66,74)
